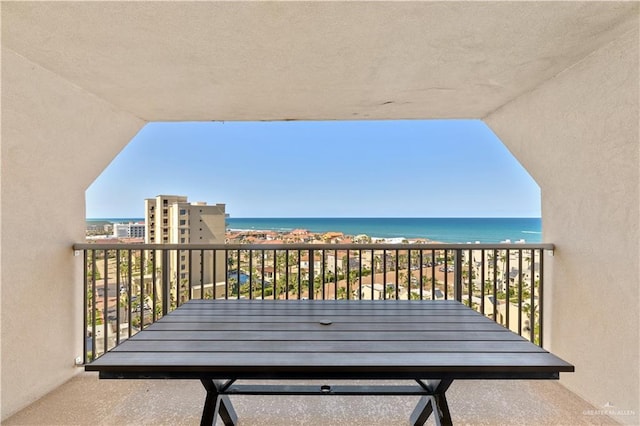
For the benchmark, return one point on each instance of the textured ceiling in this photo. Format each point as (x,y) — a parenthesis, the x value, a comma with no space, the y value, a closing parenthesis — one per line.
(309,60)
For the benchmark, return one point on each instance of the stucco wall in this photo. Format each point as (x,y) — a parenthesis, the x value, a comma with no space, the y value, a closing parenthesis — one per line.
(55,140)
(577,135)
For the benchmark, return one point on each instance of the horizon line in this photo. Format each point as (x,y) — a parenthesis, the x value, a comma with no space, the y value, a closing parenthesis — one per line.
(344,217)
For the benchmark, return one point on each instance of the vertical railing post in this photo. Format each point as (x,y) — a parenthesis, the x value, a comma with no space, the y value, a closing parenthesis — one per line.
(94,341)
(226,274)
(347,276)
(262,262)
(312,281)
(86,306)
(215,274)
(457,275)
(142,292)
(202,258)
(190,274)
(541,298)
(166,284)
(154,290)
(105,301)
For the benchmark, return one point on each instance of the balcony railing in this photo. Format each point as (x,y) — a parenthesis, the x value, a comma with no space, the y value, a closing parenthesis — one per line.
(129,286)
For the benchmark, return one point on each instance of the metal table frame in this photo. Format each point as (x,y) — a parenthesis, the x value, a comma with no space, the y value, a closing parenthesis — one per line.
(432,392)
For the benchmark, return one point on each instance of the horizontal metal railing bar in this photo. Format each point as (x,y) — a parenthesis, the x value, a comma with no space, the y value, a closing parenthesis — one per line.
(316,247)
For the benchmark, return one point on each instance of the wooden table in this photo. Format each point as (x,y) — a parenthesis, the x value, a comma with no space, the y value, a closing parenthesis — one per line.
(430,342)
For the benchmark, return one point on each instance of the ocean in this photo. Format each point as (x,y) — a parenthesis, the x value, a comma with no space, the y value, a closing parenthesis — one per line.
(446,230)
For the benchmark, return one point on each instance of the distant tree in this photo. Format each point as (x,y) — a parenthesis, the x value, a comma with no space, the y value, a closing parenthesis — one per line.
(533,325)
(93,273)
(244,289)
(377,263)
(426,281)
(317,287)
(503,259)
(329,277)
(402,277)
(231,261)
(353,278)
(403,261)
(342,293)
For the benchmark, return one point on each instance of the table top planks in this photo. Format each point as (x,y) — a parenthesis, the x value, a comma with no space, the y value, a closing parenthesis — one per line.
(336,339)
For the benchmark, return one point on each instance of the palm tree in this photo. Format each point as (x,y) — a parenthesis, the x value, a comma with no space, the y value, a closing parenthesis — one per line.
(402,261)
(534,327)
(426,281)
(124,266)
(527,259)
(93,273)
(317,286)
(505,273)
(376,261)
(415,257)
(402,277)
(390,291)
(231,261)
(330,277)
(353,278)
(89,306)
(184,290)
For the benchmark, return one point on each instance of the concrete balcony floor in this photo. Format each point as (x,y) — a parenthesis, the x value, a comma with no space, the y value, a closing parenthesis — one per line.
(86,400)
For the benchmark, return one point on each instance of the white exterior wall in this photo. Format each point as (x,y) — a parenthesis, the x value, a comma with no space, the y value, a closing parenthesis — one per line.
(120,230)
(577,135)
(207,226)
(207,223)
(129,230)
(53,147)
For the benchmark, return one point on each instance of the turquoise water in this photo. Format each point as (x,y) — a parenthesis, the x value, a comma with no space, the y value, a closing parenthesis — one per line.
(447,230)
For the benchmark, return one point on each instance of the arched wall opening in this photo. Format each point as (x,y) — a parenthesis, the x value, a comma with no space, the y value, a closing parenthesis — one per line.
(391,168)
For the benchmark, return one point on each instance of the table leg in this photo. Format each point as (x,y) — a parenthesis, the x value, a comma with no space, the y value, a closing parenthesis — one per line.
(437,402)
(215,404)
(422,411)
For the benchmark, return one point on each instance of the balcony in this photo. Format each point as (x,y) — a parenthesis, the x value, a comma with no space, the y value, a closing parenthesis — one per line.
(134,285)
(561,94)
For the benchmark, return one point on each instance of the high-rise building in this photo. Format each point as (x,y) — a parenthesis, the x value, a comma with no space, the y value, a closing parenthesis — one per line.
(171,219)
(158,214)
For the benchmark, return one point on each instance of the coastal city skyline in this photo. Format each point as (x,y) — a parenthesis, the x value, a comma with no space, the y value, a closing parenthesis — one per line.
(413,168)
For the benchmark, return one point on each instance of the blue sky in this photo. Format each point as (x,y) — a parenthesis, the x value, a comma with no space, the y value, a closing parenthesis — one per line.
(411,168)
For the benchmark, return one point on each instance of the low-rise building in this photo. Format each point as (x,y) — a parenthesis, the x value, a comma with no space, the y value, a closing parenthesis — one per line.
(129,230)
